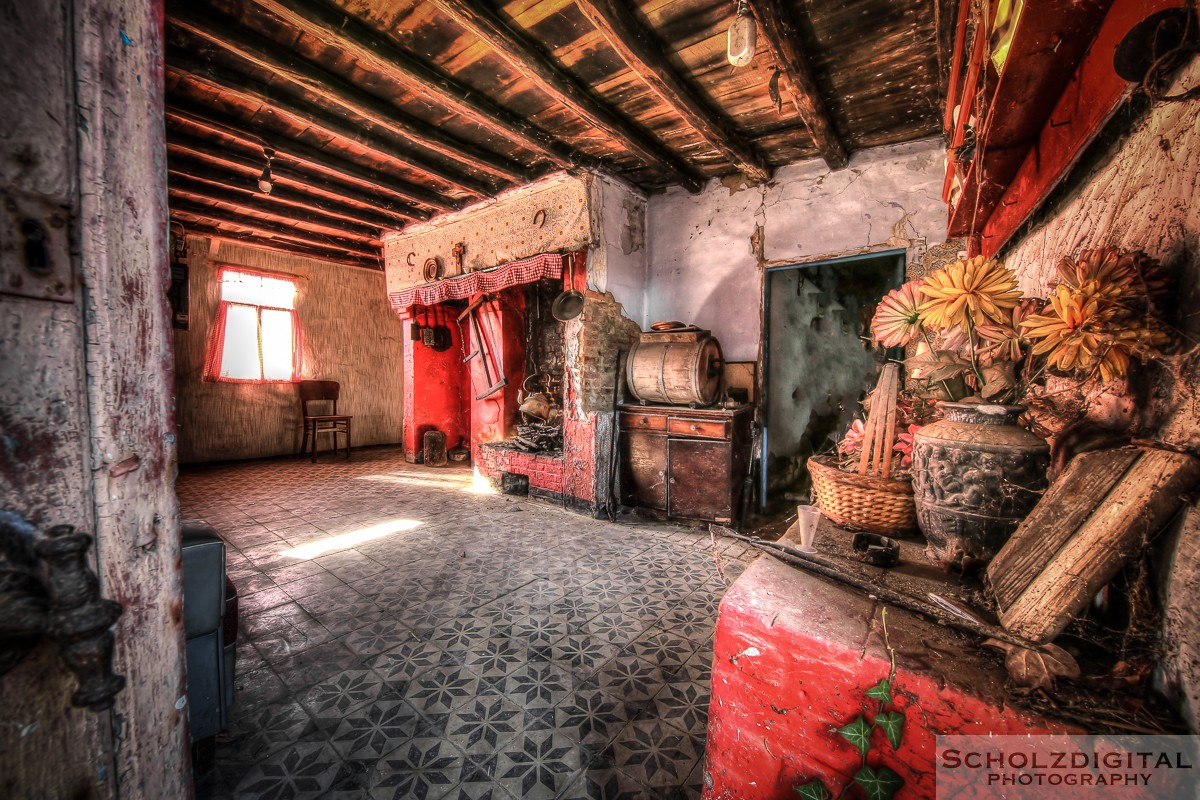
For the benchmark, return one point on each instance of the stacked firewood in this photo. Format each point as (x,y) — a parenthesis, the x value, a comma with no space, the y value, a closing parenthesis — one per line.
(539,436)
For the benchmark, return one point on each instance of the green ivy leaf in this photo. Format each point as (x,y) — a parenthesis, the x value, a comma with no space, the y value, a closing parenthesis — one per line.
(879,783)
(881,691)
(858,733)
(813,790)
(892,723)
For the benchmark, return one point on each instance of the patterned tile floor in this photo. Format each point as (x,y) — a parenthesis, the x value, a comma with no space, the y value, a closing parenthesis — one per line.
(407,636)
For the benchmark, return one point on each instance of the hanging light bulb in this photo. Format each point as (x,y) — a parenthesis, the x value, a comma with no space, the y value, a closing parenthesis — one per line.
(743,36)
(264,180)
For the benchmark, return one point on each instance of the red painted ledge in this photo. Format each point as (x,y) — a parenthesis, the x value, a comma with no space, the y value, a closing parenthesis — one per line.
(794,654)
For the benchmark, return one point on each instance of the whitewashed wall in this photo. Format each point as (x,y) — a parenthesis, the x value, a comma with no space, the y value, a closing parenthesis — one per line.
(704,269)
(1141,193)
(350,335)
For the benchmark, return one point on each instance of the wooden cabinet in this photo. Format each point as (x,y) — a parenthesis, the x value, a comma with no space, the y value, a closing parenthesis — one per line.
(685,463)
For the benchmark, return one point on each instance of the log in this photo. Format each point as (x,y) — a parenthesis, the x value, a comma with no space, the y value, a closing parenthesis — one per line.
(337,29)
(259,206)
(280,246)
(283,63)
(1101,513)
(645,56)
(220,183)
(216,217)
(195,147)
(536,67)
(782,39)
(304,156)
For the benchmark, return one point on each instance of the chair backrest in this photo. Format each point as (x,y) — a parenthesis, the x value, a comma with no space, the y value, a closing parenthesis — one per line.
(318,392)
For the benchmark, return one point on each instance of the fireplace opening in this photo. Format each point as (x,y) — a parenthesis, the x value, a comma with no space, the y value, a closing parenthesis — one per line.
(527,394)
(514,483)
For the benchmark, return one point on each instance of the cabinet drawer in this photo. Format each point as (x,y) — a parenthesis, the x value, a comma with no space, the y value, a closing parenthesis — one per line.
(643,422)
(704,429)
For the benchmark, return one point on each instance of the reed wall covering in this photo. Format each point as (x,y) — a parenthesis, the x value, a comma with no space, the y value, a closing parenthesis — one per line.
(348,332)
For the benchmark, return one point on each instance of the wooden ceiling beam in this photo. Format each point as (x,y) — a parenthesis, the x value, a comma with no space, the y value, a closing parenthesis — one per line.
(284,63)
(200,174)
(310,158)
(278,246)
(218,216)
(258,203)
(645,56)
(565,88)
(196,147)
(376,51)
(778,29)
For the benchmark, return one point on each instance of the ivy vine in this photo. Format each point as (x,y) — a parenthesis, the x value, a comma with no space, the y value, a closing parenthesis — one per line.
(876,782)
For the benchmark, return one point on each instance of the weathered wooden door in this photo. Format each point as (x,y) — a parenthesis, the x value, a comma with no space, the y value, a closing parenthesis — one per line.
(86,430)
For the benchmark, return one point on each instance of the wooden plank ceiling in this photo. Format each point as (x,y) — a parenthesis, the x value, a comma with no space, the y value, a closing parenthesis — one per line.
(379,114)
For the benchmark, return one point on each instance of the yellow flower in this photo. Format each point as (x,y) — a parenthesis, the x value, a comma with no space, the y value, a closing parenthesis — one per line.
(897,320)
(968,292)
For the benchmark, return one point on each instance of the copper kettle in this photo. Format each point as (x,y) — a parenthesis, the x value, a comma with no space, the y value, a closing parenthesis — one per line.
(536,405)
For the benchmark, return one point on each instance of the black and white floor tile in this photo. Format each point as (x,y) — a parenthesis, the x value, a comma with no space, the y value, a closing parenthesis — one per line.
(405,637)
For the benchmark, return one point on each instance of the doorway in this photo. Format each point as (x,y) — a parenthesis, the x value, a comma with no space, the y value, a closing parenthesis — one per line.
(817,361)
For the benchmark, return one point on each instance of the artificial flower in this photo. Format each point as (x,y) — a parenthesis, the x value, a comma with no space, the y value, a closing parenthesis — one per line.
(1004,341)
(1104,271)
(904,445)
(897,320)
(851,443)
(968,293)
(1075,331)
(1119,345)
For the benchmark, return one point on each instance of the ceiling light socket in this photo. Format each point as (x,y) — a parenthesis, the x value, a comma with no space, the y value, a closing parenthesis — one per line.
(265,184)
(743,37)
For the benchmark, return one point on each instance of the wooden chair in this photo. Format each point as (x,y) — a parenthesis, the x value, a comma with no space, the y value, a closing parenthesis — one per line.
(314,424)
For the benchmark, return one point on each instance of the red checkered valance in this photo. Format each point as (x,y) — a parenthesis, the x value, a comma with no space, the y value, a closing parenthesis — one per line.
(514,273)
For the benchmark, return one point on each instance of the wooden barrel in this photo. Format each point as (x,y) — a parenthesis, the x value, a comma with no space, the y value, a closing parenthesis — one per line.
(675,373)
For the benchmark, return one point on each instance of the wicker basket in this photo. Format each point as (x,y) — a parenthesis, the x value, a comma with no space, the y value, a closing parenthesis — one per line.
(862,502)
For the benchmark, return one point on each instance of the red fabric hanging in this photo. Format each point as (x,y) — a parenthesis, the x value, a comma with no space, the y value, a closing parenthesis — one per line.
(216,344)
(515,273)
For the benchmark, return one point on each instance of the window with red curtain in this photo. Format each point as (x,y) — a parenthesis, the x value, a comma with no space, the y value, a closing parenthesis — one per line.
(256,335)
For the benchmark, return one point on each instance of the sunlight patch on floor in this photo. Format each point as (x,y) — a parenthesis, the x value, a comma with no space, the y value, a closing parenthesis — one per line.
(455,481)
(344,541)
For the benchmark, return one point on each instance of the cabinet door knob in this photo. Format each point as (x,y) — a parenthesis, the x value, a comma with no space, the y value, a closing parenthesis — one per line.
(645,420)
(695,428)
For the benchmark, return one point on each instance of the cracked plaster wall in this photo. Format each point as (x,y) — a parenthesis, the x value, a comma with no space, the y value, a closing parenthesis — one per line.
(703,268)
(617,261)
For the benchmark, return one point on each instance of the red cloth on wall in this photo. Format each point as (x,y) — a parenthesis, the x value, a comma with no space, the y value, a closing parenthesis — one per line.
(527,270)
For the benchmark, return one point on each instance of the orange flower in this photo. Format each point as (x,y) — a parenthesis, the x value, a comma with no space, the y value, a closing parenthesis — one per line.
(1082,330)
(1105,271)
(897,320)
(968,292)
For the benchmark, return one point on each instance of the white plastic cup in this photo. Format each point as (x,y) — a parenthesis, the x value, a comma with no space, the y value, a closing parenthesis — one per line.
(807,520)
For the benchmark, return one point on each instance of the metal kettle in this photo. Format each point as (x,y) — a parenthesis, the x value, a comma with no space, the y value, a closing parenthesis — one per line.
(536,405)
